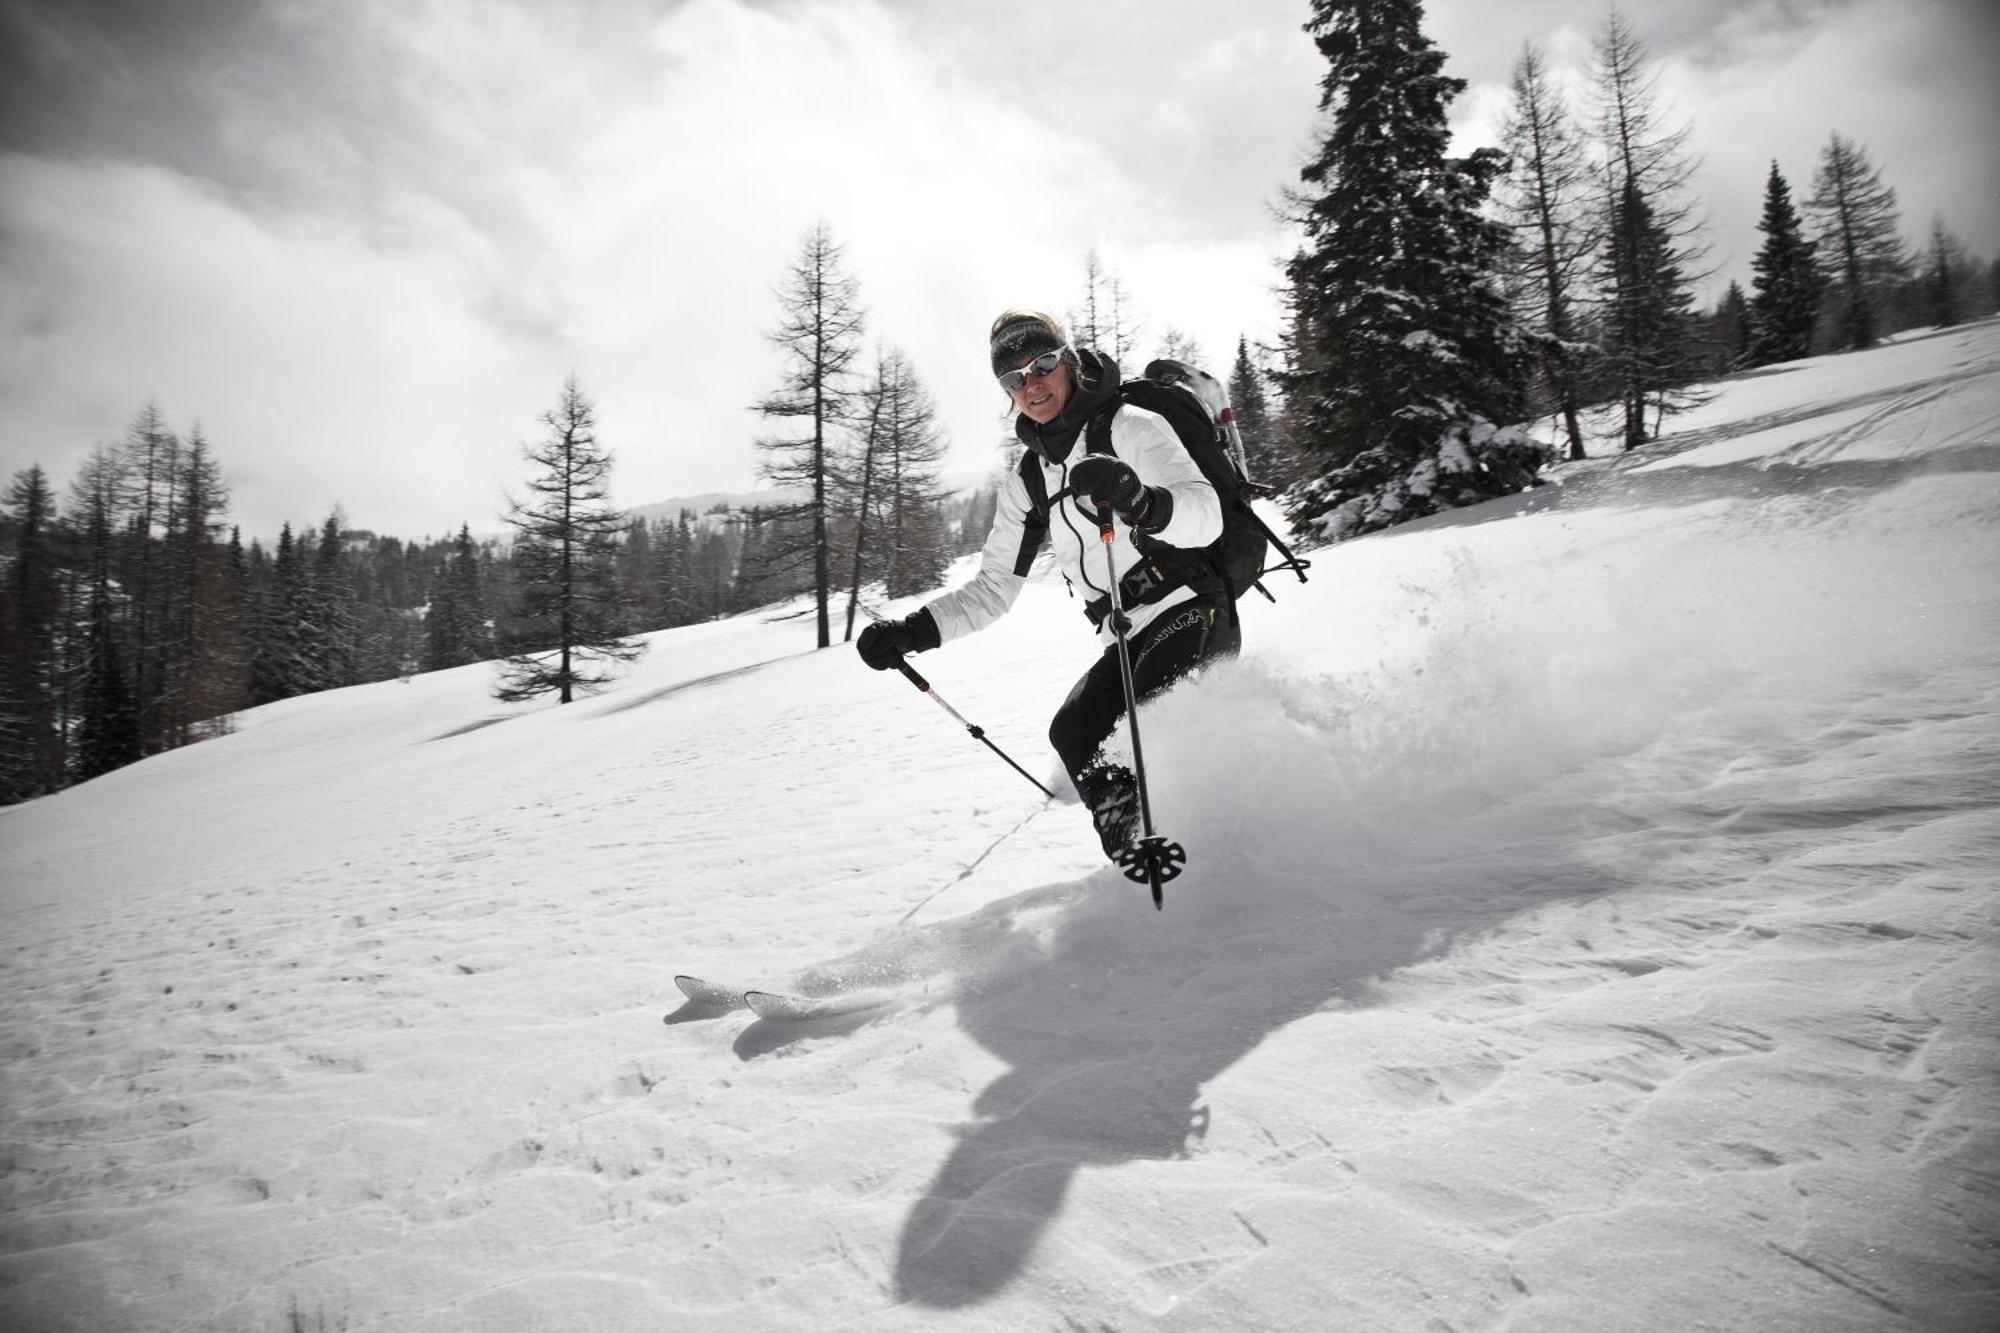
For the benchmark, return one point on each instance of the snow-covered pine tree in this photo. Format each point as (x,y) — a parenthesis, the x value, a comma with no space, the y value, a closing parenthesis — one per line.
(819,336)
(566,584)
(1786,283)
(1860,247)
(1649,340)
(1407,353)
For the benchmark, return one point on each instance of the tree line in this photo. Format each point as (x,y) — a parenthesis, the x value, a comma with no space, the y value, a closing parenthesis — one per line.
(134,617)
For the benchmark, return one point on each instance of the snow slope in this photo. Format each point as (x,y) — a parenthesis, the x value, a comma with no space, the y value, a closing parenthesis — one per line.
(1590,925)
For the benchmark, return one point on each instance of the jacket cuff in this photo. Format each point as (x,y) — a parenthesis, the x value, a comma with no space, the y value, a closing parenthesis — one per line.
(1159,510)
(924,633)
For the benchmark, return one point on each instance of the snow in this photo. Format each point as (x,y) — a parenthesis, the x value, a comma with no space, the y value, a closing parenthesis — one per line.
(1589,925)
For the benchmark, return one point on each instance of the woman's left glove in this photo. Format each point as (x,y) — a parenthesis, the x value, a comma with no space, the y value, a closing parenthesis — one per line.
(1100,479)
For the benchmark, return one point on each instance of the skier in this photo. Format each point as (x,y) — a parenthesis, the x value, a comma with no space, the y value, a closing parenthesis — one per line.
(1179,611)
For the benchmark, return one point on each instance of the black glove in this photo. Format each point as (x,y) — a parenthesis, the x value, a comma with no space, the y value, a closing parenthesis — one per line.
(886,642)
(1099,479)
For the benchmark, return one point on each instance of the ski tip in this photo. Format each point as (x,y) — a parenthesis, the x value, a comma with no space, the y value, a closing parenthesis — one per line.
(708,992)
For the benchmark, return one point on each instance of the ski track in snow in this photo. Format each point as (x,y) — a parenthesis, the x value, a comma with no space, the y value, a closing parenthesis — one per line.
(1590,925)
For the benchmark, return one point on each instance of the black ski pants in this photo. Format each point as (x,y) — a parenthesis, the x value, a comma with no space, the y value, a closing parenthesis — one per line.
(1164,651)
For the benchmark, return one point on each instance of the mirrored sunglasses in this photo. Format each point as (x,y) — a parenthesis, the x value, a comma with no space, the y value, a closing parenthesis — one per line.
(1034,370)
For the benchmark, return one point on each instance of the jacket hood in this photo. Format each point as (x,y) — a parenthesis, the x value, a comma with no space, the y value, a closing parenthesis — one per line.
(1096,389)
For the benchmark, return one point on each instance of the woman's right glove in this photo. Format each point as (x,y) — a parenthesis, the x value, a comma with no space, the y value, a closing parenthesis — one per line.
(887,642)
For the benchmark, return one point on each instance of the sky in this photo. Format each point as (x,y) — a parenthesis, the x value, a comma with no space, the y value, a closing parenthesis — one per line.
(360,247)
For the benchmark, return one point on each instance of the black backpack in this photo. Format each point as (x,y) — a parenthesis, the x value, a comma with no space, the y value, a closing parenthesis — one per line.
(1234,561)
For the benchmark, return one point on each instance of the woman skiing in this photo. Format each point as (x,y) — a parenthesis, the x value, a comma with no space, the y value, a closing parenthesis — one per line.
(1179,612)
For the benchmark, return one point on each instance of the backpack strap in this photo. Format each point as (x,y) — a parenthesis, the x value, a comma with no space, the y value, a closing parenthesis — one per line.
(1035,523)
(1163,568)
(1097,430)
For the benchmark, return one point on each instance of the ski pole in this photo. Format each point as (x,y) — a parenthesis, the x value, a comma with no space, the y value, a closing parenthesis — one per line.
(1152,860)
(978,733)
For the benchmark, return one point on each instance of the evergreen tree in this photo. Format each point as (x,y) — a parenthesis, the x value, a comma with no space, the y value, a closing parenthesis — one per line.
(976,520)
(107,716)
(1547,197)
(637,592)
(280,639)
(862,512)
(153,462)
(108,728)
(31,608)
(335,646)
(566,563)
(456,632)
(1649,344)
(1407,352)
(910,456)
(717,550)
(1948,273)
(1785,307)
(1859,247)
(673,549)
(204,667)
(1729,330)
(224,683)
(819,335)
(1262,456)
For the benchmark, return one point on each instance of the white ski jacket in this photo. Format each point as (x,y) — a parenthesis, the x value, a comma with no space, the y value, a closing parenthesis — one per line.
(1145,441)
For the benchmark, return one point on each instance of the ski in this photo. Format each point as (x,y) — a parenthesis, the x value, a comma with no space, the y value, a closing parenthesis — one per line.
(804,1008)
(710,992)
(709,998)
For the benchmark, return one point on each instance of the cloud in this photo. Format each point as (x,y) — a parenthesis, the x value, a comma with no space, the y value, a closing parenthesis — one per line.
(316,365)
(367,280)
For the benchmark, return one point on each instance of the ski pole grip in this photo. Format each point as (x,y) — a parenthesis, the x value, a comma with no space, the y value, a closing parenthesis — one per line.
(903,665)
(1104,522)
